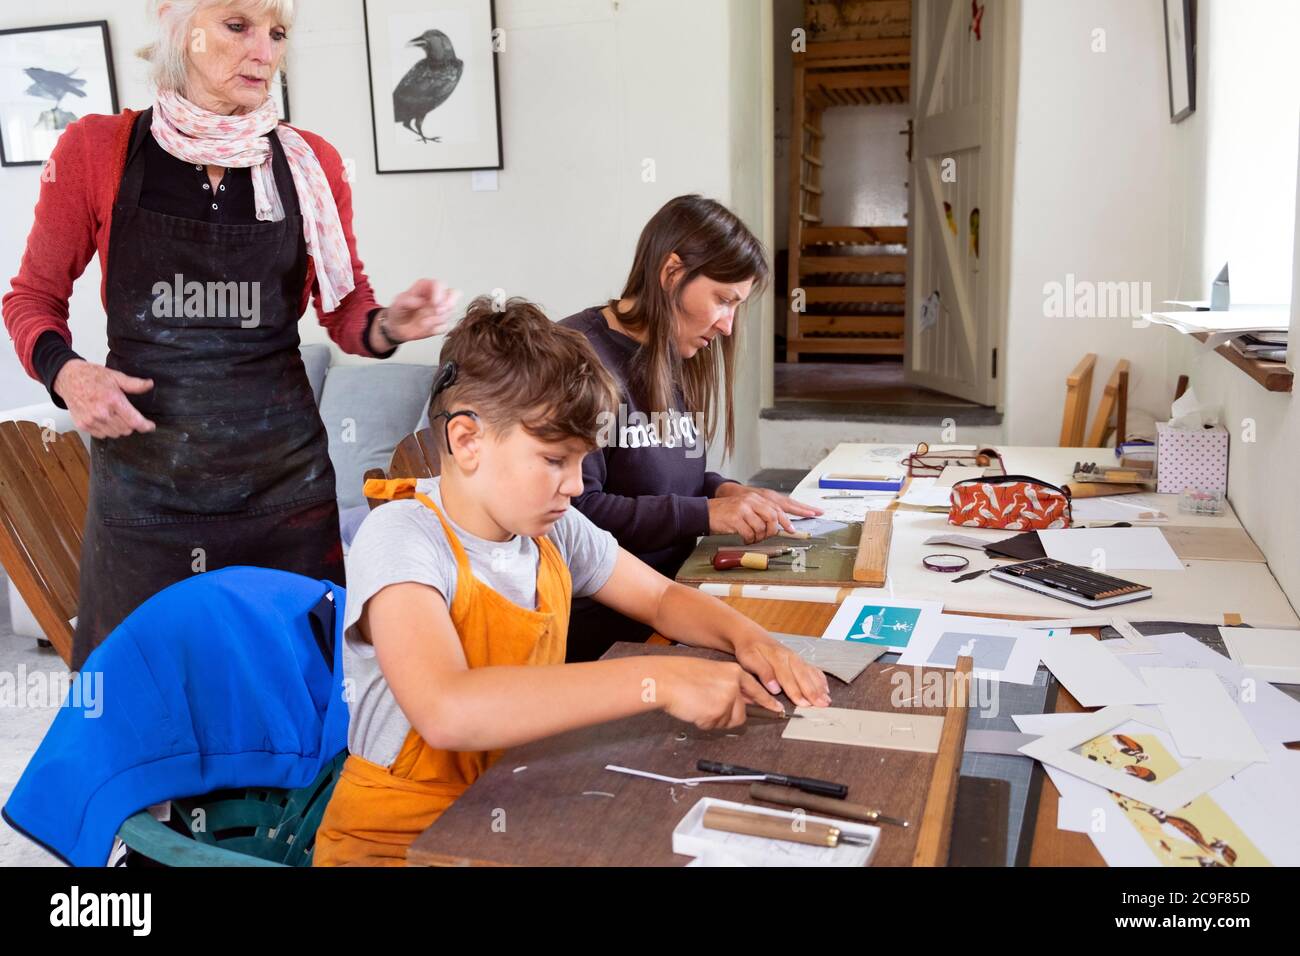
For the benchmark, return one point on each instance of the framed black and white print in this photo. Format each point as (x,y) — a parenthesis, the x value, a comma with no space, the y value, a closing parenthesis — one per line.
(51,76)
(1180,55)
(434,97)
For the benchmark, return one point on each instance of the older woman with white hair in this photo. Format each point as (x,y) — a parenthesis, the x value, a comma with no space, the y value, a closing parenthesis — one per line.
(214,224)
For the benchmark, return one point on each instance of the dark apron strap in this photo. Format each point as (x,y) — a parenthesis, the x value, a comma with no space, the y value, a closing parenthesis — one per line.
(128,193)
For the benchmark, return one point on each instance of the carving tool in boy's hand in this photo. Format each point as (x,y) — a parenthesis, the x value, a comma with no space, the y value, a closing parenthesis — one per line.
(780,828)
(807,784)
(762,713)
(839,808)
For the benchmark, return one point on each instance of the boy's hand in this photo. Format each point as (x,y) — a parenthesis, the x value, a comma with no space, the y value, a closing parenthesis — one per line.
(709,694)
(781,669)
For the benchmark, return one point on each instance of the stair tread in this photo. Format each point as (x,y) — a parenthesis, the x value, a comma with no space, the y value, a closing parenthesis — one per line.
(853,265)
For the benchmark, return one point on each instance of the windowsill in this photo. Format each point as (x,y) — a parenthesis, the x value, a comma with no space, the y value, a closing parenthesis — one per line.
(1273,376)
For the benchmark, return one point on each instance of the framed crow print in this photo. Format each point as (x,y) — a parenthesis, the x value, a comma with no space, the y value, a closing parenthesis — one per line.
(50,77)
(434,98)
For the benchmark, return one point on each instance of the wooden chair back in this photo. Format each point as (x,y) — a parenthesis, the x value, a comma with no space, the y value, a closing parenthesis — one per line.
(1112,410)
(1078,393)
(416,456)
(44,489)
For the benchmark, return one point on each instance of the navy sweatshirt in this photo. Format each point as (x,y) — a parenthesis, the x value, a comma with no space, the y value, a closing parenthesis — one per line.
(651,493)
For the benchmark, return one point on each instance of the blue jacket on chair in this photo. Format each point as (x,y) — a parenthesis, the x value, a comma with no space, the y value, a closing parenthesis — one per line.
(231,678)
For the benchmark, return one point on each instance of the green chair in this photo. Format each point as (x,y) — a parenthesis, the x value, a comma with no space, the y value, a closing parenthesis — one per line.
(252,827)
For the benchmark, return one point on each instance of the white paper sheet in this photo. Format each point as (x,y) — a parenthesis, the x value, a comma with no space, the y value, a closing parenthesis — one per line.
(1272,655)
(1083,510)
(1111,549)
(924,492)
(1203,719)
(952,474)
(999,651)
(1235,321)
(1059,749)
(1071,813)
(1132,640)
(885,623)
(1094,675)
(839,504)
(1272,715)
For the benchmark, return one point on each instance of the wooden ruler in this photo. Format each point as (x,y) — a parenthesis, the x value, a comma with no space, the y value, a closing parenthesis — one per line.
(873,548)
(935,836)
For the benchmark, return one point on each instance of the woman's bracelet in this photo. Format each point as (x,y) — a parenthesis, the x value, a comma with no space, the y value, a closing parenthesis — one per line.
(383,329)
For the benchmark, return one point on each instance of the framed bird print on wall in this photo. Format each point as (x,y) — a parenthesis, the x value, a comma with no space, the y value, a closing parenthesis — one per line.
(50,77)
(434,97)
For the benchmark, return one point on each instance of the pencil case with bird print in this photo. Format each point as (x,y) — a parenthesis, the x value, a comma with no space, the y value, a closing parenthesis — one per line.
(1013,502)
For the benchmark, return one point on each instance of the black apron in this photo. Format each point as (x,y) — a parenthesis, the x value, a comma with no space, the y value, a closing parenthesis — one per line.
(238,469)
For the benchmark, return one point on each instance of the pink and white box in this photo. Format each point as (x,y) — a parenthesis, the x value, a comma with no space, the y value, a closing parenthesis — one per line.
(1191,458)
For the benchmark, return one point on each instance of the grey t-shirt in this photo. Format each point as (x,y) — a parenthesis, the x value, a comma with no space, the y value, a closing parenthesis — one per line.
(403,541)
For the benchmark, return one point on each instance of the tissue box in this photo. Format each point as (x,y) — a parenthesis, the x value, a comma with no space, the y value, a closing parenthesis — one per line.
(1191,458)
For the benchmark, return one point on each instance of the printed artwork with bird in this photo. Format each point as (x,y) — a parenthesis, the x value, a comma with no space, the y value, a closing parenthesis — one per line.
(1199,834)
(428,83)
(53,85)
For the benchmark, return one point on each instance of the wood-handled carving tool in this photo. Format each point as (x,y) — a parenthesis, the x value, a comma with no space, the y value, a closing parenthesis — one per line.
(754,561)
(839,808)
(780,828)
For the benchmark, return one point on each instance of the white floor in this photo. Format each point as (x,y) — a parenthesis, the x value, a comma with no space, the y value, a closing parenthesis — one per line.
(21,729)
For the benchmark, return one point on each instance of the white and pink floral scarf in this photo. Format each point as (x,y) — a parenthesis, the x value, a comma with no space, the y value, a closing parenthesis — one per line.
(195,135)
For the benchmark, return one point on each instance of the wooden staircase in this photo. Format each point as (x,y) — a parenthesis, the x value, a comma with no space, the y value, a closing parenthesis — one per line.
(853,278)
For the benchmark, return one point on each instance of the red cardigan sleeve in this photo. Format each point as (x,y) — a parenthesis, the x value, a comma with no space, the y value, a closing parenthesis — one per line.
(346,325)
(61,242)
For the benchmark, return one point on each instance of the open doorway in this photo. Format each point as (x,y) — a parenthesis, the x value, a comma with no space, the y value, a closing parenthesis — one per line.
(890,164)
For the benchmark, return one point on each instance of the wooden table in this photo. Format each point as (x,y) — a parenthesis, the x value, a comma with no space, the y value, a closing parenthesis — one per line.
(563,808)
(1202,593)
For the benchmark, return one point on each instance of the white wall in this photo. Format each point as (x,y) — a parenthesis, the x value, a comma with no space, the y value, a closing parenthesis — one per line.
(1237,200)
(1091,196)
(1108,189)
(589,90)
(865,176)
(751,167)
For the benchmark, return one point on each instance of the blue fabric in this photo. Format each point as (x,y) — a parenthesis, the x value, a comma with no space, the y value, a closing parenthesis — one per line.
(217,681)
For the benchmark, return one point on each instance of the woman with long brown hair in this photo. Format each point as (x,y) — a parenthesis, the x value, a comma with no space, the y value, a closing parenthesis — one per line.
(668,342)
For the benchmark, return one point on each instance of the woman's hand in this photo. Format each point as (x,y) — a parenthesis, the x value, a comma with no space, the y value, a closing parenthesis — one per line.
(421,311)
(96,398)
(753,513)
(784,502)
(781,669)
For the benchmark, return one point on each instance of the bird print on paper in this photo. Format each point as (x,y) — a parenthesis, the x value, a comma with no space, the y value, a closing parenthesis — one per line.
(428,83)
(54,86)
